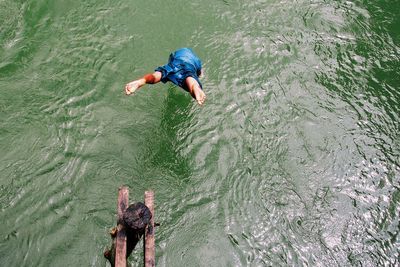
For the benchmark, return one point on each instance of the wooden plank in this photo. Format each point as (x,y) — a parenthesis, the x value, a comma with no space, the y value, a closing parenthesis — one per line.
(120,250)
(149,244)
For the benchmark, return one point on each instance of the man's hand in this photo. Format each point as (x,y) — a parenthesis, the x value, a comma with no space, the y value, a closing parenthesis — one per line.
(195,90)
(131,87)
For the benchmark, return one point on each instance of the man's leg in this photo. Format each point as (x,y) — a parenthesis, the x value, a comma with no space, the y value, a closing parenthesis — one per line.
(146,79)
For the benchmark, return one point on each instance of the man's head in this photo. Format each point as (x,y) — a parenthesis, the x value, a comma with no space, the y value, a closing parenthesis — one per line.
(137,216)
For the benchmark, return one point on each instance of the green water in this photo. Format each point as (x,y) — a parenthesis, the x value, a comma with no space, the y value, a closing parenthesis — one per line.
(293,161)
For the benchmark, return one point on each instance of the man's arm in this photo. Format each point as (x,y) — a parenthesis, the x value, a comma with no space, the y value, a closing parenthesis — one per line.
(195,90)
(146,79)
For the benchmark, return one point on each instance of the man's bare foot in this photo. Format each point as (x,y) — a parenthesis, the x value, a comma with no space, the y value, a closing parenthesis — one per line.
(131,87)
(199,95)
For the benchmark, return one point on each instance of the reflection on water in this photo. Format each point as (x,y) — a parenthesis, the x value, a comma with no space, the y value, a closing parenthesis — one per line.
(294,159)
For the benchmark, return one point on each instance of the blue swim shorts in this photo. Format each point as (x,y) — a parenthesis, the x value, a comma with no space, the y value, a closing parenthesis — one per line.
(182,63)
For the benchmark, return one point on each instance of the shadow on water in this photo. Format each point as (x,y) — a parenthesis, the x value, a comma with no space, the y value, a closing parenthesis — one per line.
(165,154)
(151,155)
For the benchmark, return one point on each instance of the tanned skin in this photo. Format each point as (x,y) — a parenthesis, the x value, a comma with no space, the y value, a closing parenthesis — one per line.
(153,78)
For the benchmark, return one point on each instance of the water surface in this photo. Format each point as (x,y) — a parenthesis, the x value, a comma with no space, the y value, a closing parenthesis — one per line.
(293,160)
